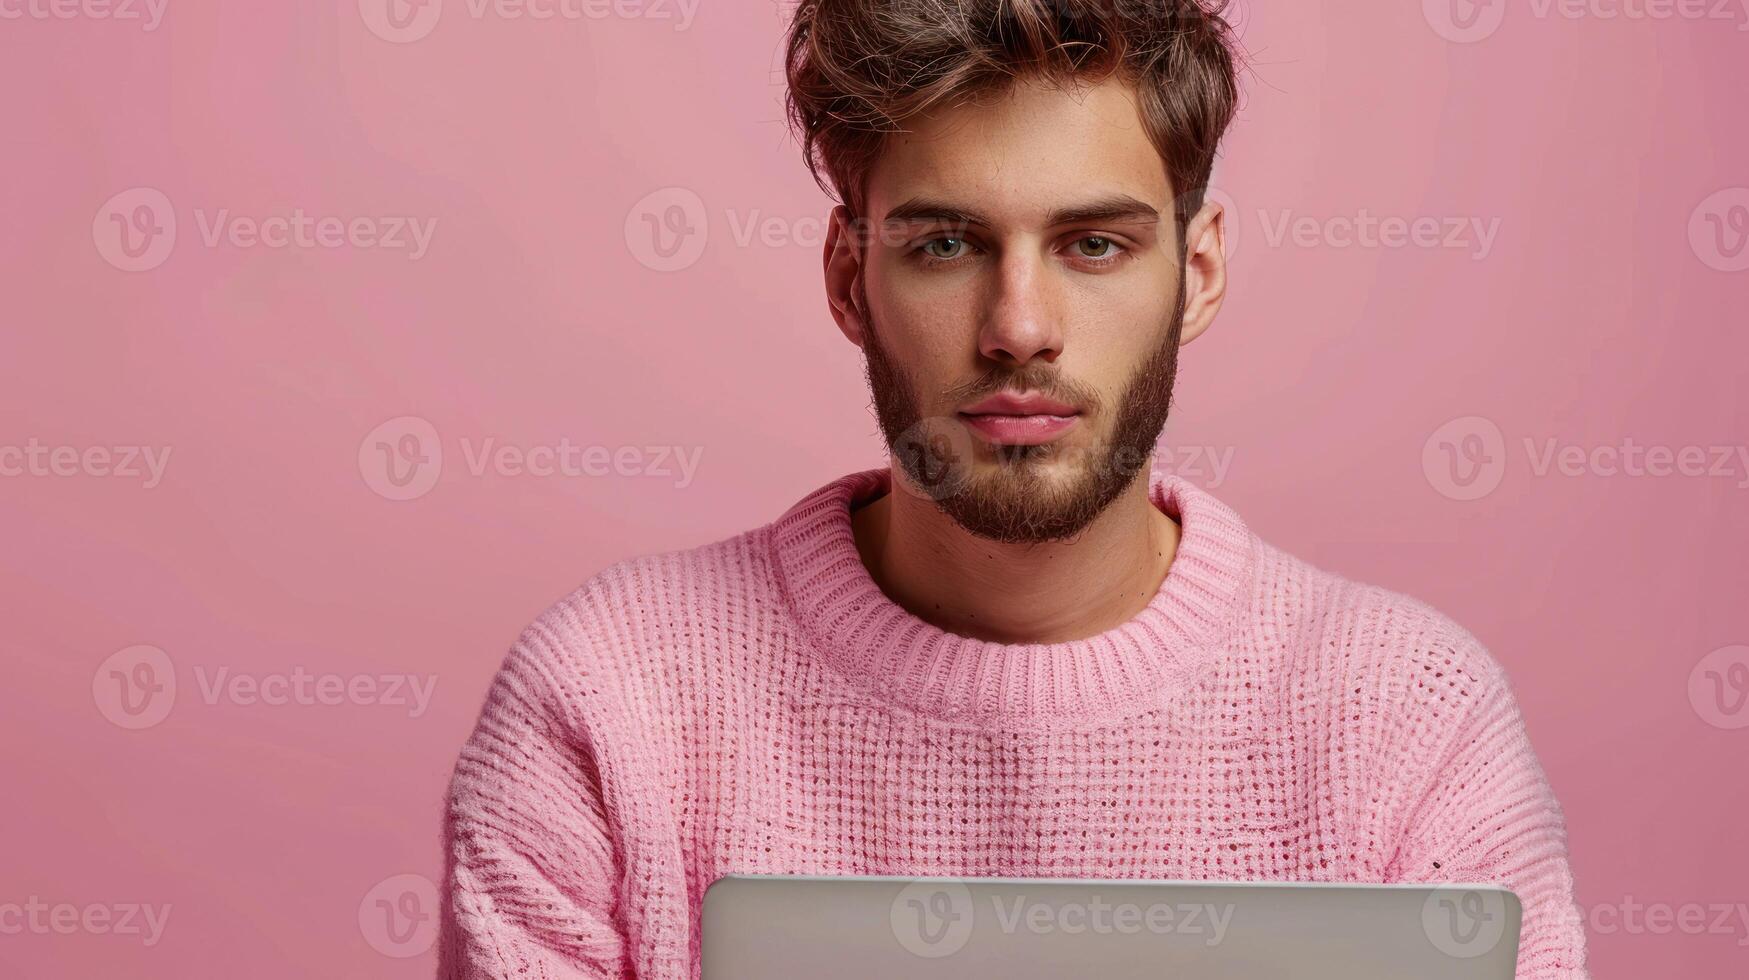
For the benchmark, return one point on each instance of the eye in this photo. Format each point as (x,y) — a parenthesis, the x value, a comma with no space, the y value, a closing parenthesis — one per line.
(953,246)
(1096,247)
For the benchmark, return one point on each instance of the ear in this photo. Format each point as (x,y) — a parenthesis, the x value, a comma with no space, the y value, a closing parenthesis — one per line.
(842,259)
(1205,269)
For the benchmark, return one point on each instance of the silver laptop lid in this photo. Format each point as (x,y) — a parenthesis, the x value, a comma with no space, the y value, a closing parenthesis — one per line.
(861,928)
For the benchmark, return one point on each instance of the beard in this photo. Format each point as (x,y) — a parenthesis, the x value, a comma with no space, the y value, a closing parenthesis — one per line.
(1016,500)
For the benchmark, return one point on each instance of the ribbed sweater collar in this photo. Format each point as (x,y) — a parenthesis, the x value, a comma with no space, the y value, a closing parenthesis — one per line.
(881,647)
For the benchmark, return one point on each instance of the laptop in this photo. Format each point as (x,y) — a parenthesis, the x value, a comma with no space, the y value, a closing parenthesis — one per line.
(760,927)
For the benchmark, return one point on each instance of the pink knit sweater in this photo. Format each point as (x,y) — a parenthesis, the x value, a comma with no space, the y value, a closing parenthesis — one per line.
(758,705)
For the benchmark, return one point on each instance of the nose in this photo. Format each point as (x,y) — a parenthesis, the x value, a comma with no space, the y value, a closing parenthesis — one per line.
(1023,320)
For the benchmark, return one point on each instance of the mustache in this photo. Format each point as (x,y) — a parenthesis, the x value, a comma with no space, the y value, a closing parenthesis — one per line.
(1045,379)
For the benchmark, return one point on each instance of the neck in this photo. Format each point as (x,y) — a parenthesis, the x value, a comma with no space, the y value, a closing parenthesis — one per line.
(1049,592)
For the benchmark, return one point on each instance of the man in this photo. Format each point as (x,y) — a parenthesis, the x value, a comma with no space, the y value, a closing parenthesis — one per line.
(1019,651)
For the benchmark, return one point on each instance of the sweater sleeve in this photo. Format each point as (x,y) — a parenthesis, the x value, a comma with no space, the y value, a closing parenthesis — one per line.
(530,886)
(1490,816)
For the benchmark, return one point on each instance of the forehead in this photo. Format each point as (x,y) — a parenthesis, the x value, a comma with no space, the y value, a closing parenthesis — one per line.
(1019,154)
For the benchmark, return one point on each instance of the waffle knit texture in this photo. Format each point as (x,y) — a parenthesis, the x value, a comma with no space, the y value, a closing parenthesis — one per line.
(759,706)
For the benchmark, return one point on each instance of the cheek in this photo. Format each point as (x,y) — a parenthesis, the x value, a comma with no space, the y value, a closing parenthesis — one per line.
(1105,352)
(1142,296)
(932,334)
(932,364)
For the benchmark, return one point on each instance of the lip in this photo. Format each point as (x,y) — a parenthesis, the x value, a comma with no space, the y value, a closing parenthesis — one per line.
(1009,403)
(1020,430)
(1008,419)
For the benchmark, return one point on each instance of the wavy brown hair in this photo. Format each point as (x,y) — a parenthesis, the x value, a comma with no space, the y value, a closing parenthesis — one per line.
(857,69)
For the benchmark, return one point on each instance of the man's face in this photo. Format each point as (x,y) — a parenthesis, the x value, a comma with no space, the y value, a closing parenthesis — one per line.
(1024,246)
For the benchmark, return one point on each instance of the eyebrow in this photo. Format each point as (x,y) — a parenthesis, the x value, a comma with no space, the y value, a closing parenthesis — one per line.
(1120,208)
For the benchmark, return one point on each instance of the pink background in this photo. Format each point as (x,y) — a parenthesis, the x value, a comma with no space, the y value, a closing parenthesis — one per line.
(1607,309)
